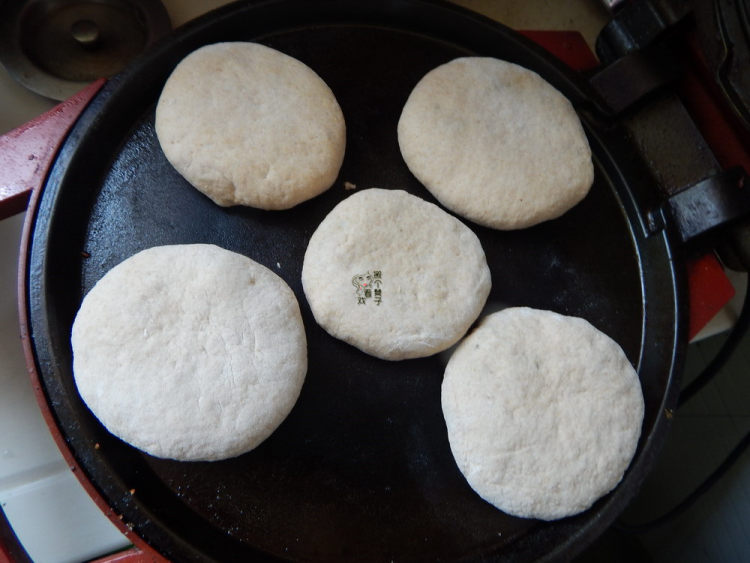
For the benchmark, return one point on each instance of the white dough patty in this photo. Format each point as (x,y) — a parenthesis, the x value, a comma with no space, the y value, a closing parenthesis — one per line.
(543,412)
(394,275)
(495,143)
(190,352)
(248,125)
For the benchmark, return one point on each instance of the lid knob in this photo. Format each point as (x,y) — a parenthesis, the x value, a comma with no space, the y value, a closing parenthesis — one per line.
(86,33)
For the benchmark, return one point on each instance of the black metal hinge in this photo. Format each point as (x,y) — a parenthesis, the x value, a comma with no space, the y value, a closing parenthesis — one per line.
(638,52)
(711,203)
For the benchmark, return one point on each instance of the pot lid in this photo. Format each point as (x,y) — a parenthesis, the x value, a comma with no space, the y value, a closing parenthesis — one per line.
(56,48)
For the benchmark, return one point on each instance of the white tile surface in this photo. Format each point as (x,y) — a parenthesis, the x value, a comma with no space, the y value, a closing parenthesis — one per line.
(52,515)
(27,442)
(18,105)
(57,521)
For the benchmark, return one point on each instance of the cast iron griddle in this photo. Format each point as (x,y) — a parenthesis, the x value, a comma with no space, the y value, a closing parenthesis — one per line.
(361,469)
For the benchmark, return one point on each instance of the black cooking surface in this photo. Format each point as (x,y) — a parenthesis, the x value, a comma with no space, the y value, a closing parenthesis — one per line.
(361,469)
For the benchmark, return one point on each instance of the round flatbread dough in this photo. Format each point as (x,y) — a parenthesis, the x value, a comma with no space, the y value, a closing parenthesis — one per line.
(543,411)
(495,143)
(190,352)
(394,275)
(248,125)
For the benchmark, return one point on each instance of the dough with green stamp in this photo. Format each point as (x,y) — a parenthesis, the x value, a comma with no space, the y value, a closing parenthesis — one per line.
(394,275)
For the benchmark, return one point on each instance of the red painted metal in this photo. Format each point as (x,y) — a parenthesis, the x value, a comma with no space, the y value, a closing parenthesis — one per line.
(709,290)
(568,46)
(27,152)
(132,555)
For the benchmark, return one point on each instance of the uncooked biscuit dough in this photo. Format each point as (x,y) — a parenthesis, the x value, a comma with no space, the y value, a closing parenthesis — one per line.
(394,275)
(543,412)
(248,125)
(495,143)
(190,352)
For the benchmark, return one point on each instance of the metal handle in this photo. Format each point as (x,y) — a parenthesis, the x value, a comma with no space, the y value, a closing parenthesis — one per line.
(27,152)
(711,203)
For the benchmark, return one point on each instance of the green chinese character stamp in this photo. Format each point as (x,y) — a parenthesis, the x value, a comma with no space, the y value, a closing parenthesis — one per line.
(367,287)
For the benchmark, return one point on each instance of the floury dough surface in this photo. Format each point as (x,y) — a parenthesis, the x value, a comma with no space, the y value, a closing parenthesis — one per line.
(543,411)
(394,275)
(248,125)
(495,143)
(190,352)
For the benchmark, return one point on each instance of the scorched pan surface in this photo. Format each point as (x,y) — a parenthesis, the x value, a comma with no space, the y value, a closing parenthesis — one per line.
(361,469)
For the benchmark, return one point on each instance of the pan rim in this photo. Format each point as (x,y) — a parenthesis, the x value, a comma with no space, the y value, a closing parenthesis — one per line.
(25,290)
